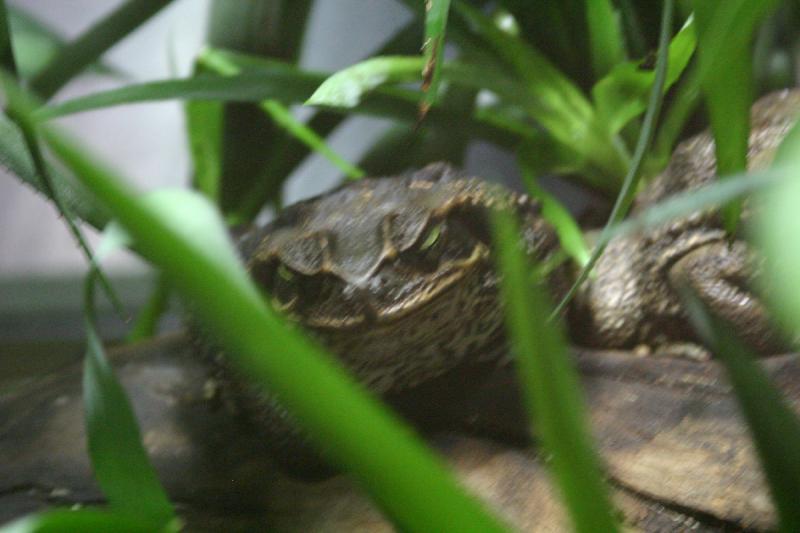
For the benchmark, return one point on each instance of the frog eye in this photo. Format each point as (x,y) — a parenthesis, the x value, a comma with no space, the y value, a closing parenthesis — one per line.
(431,238)
(284,287)
(284,273)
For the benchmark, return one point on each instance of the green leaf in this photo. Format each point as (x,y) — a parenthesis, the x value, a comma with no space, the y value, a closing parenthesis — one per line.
(646,134)
(87,48)
(622,95)
(36,44)
(552,390)
(435,24)
(120,463)
(569,233)
(204,121)
(778,231)
(725,31)
(7,60)
(346,87)
(606,41)
(14,157)
(281,116)
(774,426)
(188,241)
(84,520)
(547,95)
(282,83)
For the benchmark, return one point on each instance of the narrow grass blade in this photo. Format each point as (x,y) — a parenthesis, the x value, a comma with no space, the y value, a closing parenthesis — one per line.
(186,239)
(7,60)
(645,138)
(44,180)
(725,34)
(551,387)
(774,426)
(622,95)
(87,48)
(606,41)
(15,158)
(436,12)
(204,122)
(119,461)
(281,116)
(569,233)
(283,83)
(36,44)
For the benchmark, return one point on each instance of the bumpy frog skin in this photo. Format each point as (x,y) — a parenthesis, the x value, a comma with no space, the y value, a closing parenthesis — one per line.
(632,299)
(395,276)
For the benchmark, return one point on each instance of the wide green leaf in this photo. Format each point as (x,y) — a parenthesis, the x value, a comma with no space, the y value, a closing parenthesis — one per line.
(551,386)
(36,44)
(347,87)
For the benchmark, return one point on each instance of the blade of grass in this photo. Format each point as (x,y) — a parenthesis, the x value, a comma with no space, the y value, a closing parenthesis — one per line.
(685,100)
(551,387)
(31,142)
(87,48)
(119,460)
(14,157)
(773,425)
(606,42)
(281,116)
(567,229)
(725,33)
(204,122)
(36,44)
(622,95)
(6,50)
(187,240)
(436,12)
(645,137)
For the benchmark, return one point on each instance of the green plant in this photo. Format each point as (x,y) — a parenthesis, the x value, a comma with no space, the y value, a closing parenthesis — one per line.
(581,120)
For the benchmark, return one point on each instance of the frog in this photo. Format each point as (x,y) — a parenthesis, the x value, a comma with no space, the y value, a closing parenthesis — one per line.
(396,277)
(633,299)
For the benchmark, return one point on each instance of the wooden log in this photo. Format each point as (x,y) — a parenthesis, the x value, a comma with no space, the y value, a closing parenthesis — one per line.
(676,451)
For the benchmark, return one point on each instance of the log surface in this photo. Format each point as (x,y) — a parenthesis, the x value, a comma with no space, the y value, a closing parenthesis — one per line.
(676,451)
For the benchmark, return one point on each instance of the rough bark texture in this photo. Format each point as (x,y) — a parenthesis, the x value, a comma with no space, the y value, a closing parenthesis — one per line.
(676,451)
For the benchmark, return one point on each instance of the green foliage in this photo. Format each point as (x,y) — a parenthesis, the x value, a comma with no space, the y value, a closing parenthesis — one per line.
(552,390)
(566,85)
(773,424)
